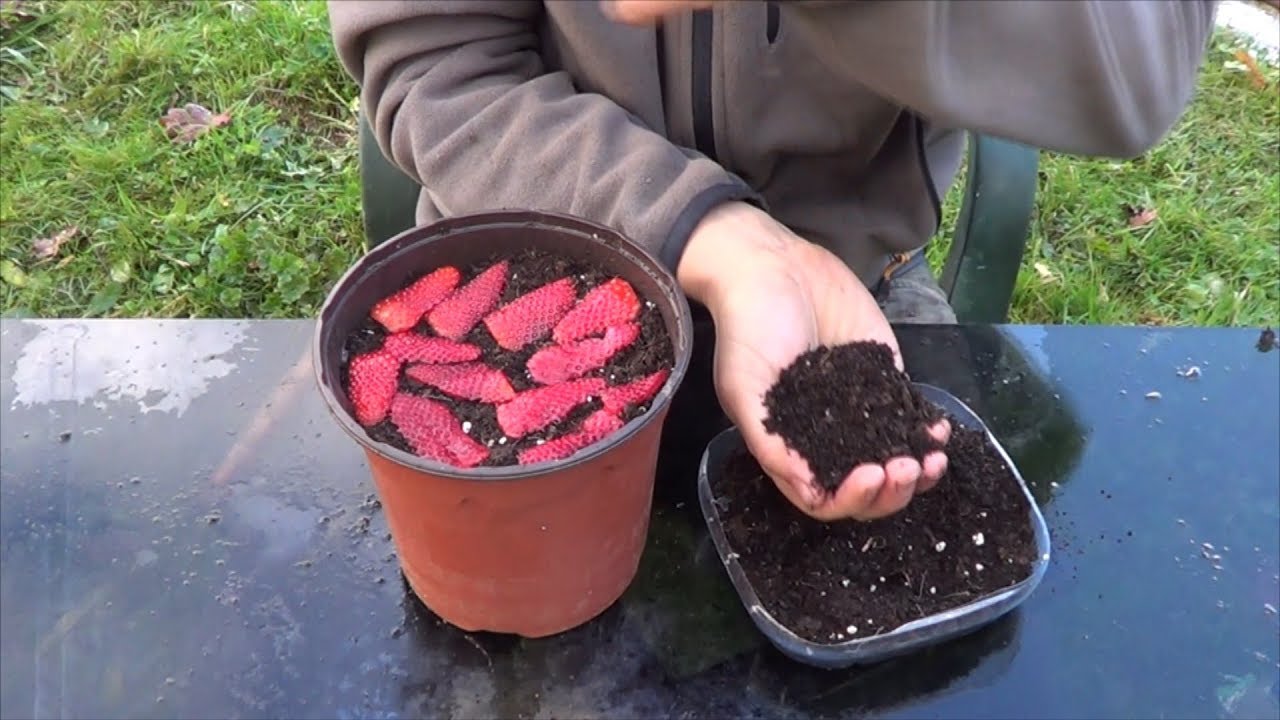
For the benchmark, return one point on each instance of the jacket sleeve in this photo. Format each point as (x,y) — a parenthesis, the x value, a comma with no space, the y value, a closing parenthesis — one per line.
(459,98)
(1088,77)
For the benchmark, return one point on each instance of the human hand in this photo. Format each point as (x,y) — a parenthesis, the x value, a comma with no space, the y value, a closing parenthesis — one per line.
(773,296)
(648,12)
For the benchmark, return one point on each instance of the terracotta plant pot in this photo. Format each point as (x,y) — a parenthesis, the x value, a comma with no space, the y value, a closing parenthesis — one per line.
(530,550)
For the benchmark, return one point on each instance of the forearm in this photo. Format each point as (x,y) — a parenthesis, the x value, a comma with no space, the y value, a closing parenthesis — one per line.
(459,98)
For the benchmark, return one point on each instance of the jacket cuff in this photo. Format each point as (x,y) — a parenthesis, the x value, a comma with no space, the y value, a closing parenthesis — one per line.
(672,248)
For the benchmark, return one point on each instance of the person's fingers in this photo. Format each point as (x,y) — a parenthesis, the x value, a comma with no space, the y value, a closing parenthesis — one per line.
(787,469)
(647,12)
(901,476)
(856,496)
(935,466)
(935,463)
(802,497)
(941,431)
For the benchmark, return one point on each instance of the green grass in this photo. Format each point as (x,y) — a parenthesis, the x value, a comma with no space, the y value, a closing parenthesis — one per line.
(259,217)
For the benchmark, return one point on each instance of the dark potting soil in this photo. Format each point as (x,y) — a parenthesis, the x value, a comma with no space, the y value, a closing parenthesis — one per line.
(842,406)
(529,269)
(968,537)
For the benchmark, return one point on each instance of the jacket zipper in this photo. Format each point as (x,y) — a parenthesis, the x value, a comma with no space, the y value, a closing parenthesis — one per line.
(704,136)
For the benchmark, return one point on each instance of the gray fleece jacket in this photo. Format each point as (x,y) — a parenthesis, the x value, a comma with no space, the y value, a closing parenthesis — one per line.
(844,119)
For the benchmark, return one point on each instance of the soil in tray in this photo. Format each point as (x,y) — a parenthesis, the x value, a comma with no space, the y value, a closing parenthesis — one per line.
(648,355)
(968,537)
(839,407)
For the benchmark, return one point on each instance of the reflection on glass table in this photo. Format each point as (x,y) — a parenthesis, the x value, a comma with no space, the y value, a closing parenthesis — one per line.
(184,532)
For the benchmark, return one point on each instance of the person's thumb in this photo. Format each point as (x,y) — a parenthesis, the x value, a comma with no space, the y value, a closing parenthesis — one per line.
(647,12)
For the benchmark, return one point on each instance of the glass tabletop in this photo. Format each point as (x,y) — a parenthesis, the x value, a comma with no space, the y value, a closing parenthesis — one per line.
(184,532)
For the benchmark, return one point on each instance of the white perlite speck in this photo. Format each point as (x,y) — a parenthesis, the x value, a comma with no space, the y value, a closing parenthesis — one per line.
(942,545)
(978,539)
(844,582)
(852,630)
(466,426)
(978,567)
(933,590)
(502,440)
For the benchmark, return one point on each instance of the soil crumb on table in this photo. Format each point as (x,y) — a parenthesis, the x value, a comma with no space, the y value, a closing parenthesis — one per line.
(840,407)
(833,582)
(1267,340)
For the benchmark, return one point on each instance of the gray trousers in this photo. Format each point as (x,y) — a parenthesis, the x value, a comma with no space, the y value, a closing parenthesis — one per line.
(912,296)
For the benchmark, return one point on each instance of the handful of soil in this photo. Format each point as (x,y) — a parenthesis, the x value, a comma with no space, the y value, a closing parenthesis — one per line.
(840,407)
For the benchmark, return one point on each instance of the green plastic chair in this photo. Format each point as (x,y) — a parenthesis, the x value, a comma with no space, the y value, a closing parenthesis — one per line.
(986,245)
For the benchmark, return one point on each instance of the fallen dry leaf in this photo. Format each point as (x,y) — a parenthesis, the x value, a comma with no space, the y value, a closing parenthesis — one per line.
(185,124)
(1046,275)
(1142,217)
(47,247)
(1255,73)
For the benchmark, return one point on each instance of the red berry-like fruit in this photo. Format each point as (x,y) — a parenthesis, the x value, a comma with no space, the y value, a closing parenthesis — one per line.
(371,383)
(610,303)
(462,311)
(597,426)
(434,432)
(466,381)
(531,315)
(558,363)
(535,409)
(411,346)
(404,309)
(618,398)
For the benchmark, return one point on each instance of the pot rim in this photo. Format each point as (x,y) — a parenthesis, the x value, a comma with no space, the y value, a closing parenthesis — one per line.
(469,222)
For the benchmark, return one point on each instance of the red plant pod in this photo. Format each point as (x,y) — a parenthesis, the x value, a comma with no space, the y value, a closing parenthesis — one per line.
(434,432)
(598,425)
(612,302)
(467,381)
(531,315)
(535,409)
(559,363)
(371,383)
(411,346)
(618,398)
(404,309)
(461,311)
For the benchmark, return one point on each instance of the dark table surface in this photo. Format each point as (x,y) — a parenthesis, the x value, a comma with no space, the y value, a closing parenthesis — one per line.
(185,533)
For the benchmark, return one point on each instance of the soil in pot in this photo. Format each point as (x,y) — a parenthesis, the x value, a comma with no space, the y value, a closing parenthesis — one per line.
(520,358)
(968,537)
